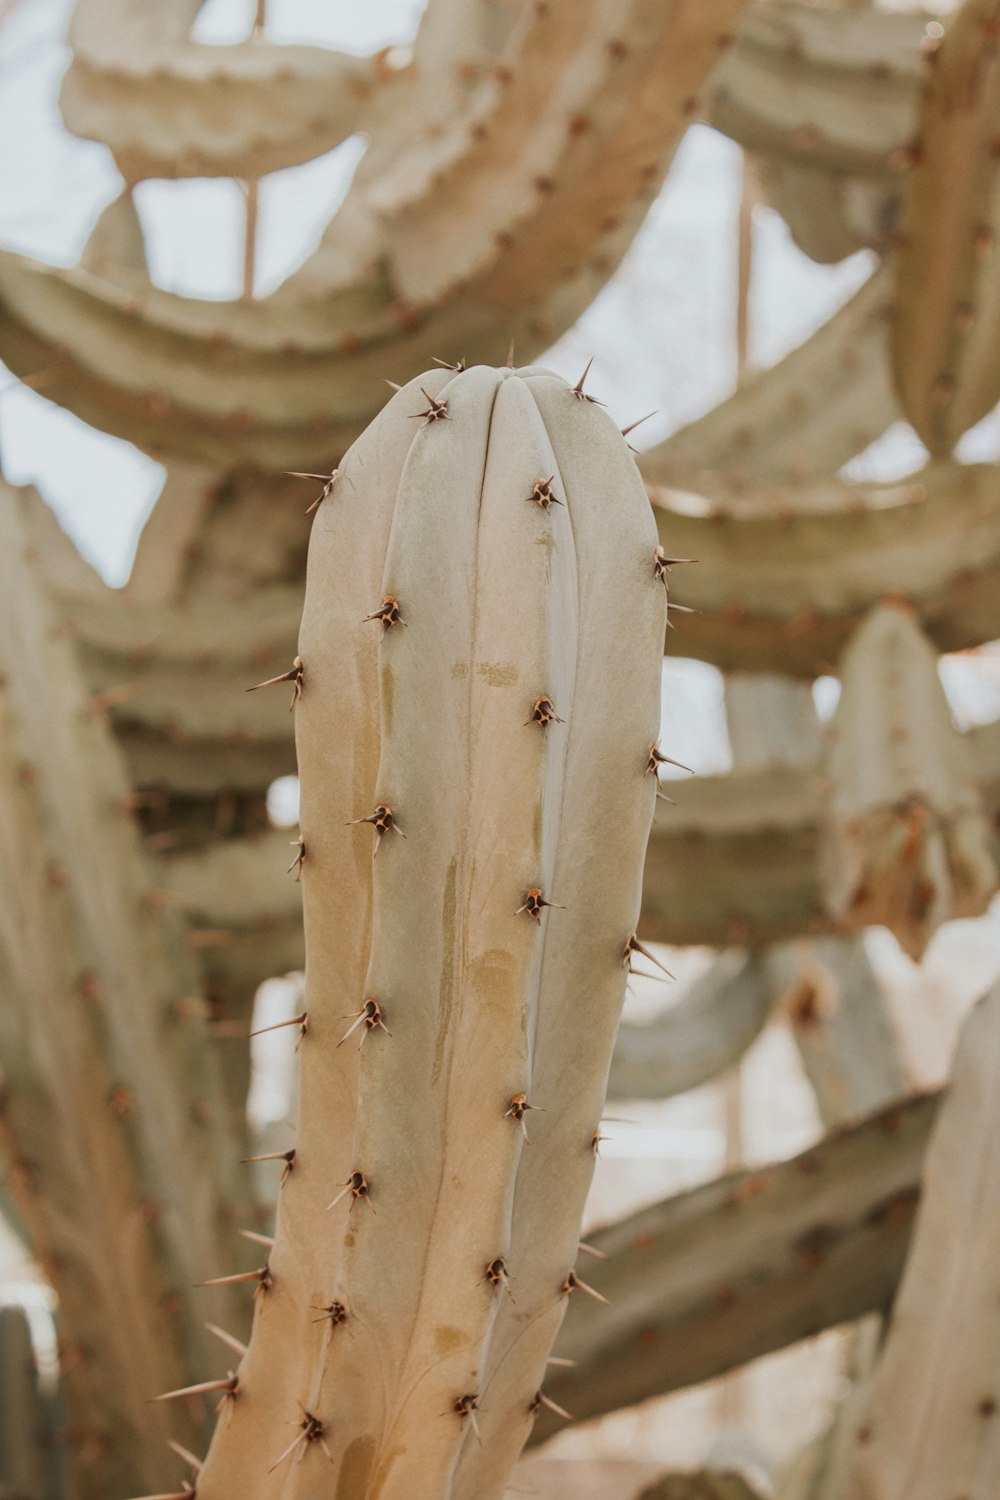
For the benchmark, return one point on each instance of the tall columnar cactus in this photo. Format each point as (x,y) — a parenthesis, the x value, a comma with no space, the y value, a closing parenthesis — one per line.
(480,650)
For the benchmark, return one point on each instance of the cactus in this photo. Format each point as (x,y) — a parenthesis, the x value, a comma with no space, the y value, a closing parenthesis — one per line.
(545,187)
(824,99)
(27,1435)
(416,1201)
(707,1484)
(805,416)
(706,1281)
(907,840)
(944,342)
(120,1157)
(930,1427)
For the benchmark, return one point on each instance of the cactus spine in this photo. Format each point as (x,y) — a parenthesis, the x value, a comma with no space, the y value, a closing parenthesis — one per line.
(504,550)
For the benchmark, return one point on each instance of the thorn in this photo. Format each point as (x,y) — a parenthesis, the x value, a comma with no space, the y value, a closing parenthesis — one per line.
(187,1493)
(541,494)
(184,1453)
(573,1283)
(633,425)
(369,1016)
(595,1142)
(533,903)
(634,946)
(311,1430)
(334,1313)
(543,713)
(382,820)
(288,1157)
(302,1021)
(295,676)
(466,1407)
(657,759)
(266,1240)
(357,1186)
(263,1278)
(592,1250)
(519,1107)
(230,1388)
(326,480)
(458,367)
(578,391)
(388,613)
(554,1359)
(497,1275)
(229,1339)
(300,858)
(394,386)
(510,355)
(539,1400)
(437,411)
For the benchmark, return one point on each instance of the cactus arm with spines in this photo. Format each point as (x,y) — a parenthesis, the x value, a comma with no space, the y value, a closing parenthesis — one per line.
(930,1426)
(713,1278)
(120,1156)
(287,380)
(500,601)
(947,301)
(805,416)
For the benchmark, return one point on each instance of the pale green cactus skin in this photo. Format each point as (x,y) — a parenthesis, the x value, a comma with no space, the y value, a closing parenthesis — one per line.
(502,601)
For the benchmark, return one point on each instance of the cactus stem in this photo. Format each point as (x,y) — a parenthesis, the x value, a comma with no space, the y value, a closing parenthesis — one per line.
(539,1399)
(657,759)
(541,494)
(496,1274)
(533,903)
(230,1388)
(185,1453)
(311,1430)
(357,1186)
(573,1284)
(369,1016)
(437,411)
(295,676)
(458,366)
(382,820)
(634,946)
(578,390)
(519,1107)
(262,1276)
(302,1021)
(231,1342)
(543,713)
(592,1250)
(387,613)
(288,1157)
(300,858)
(326,480)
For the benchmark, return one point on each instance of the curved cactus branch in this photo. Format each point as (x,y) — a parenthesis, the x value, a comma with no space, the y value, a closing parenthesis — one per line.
(704,1282)
(548,180)
(119,1152)
(802,418)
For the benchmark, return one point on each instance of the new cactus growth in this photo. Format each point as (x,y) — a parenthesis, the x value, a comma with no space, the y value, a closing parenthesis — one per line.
(419,1195)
